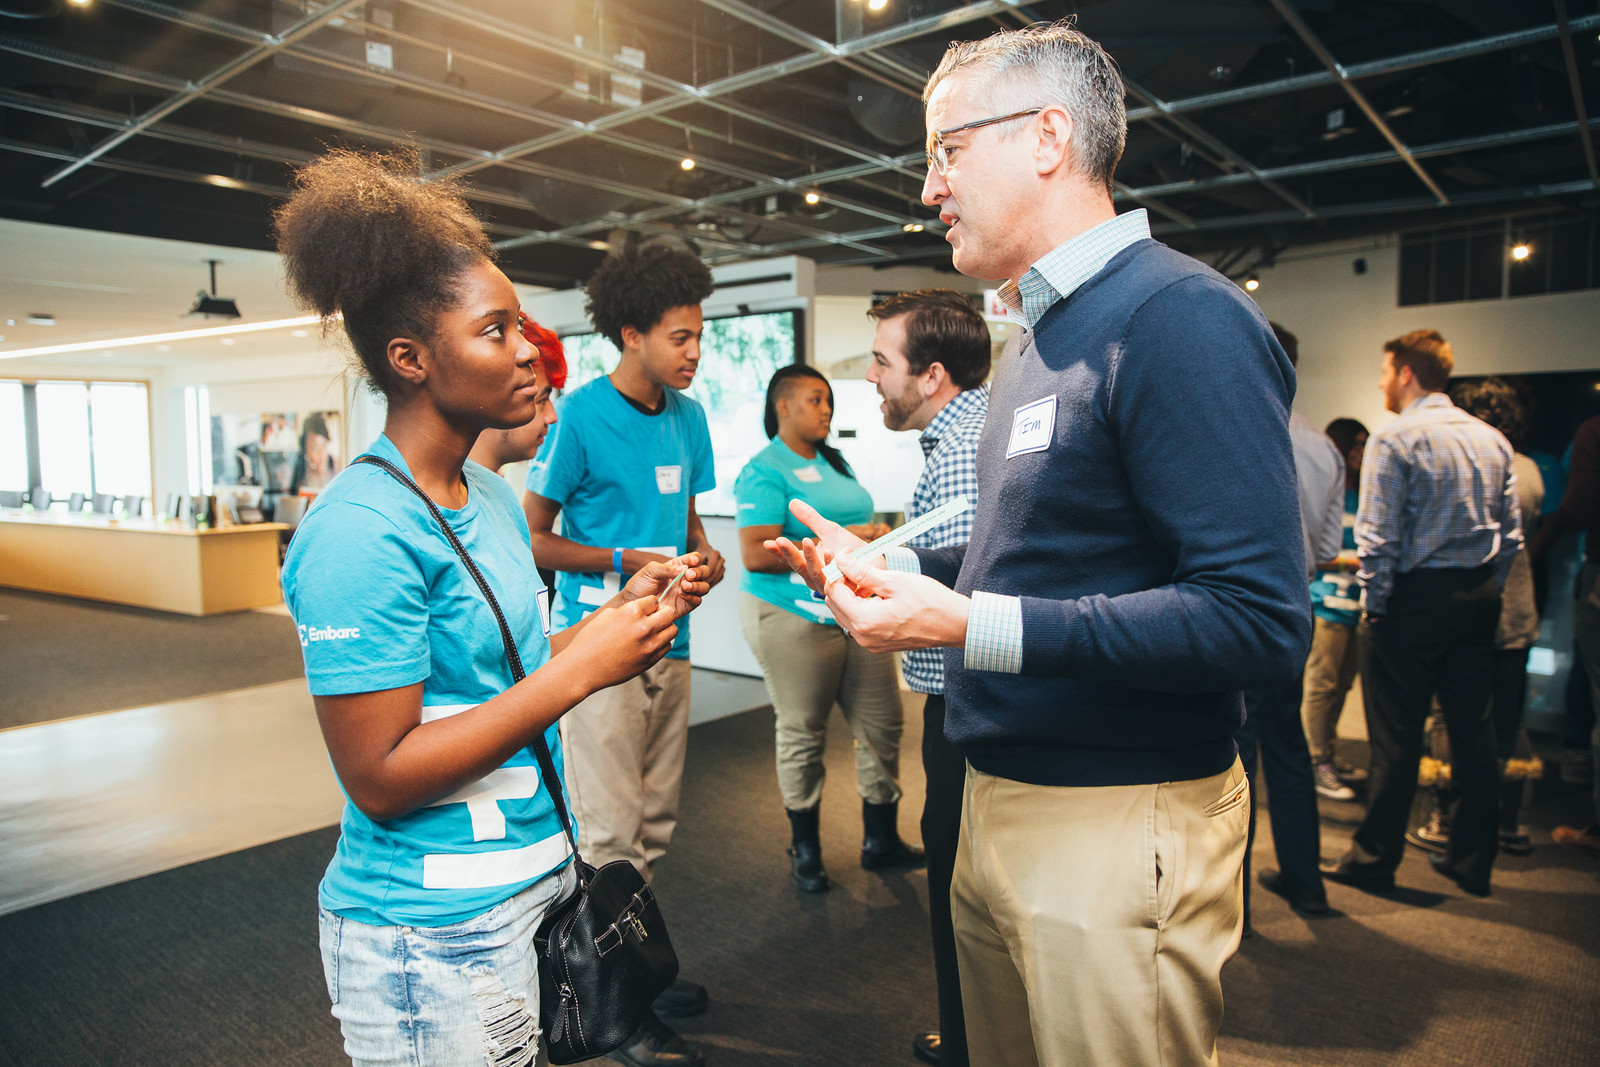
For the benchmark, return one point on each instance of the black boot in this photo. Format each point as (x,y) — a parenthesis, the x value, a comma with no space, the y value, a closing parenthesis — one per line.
(1514,839)
(881,847)
(805,855)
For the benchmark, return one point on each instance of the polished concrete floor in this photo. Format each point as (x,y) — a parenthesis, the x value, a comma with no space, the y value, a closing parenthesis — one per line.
(96,800)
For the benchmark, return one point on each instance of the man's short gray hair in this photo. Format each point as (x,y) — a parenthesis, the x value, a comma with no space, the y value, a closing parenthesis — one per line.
(1043,65)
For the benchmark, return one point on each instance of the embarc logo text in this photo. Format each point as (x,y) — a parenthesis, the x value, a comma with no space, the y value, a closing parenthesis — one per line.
(327,633)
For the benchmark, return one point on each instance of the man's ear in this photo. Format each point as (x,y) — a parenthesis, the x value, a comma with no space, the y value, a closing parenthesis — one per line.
(933,378)
(409,360)
(632,338)
(1053,149)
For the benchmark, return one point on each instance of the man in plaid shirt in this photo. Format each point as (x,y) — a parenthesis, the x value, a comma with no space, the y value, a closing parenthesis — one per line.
(930,357)
(1436,530)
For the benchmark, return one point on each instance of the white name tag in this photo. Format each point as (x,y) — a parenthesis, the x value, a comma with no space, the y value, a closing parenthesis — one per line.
(1032,427)
(808,474)
(669,479)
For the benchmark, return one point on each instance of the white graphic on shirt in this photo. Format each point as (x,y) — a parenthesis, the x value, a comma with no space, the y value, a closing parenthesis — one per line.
(507,866)
(808,474)
(309,634)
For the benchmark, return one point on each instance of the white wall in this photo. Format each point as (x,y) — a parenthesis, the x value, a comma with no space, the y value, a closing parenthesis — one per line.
(1342,320)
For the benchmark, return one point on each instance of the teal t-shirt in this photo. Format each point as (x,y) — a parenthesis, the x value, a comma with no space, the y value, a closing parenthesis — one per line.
(773,477)
(623,479)
(1335,595)
(382,601)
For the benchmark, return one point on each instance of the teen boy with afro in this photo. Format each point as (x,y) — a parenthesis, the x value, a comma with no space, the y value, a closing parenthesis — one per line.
(622,468)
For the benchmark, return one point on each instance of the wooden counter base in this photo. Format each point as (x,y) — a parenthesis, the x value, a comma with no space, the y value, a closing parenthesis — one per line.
(142,563)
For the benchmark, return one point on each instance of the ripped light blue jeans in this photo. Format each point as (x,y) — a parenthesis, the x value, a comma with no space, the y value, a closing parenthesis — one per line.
(463,995)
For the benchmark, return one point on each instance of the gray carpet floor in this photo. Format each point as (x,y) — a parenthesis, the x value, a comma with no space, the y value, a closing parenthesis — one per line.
(64,657)
(216,963)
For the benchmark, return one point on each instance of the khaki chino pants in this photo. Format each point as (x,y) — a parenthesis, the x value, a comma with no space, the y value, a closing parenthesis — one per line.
(1330,670)
(624,748)
(1096,920)
(808,666)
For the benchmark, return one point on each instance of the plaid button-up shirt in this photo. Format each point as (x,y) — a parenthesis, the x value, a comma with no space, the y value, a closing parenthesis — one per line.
(950,444)
(1437,491)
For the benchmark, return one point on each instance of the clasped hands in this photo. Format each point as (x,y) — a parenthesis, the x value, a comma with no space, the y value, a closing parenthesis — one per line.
(883,610)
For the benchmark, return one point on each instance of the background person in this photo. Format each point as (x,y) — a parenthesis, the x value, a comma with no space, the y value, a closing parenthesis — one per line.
(1136,563)
(1272,727)
(1336,609)
(431,890)
(930,358)
(621,470)
(1437,532)
(807,661)
(496,449)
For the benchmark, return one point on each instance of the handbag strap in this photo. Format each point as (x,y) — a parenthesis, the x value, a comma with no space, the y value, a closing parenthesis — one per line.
(540,750)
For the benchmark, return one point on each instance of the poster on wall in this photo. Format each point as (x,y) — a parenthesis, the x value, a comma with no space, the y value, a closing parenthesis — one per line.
(260,457)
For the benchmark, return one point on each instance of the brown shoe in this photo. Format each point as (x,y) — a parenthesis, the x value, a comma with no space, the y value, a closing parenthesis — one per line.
(1586,839)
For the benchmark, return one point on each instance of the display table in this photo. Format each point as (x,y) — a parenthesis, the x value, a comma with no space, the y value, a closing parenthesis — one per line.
(144,562)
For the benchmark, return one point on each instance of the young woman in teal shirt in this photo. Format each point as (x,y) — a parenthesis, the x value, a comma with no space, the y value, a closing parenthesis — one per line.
(808,661)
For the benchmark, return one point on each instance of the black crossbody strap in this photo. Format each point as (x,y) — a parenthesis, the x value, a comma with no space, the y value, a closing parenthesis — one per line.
(540,750)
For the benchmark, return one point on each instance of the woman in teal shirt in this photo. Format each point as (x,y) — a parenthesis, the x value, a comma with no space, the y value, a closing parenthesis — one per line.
(806,658)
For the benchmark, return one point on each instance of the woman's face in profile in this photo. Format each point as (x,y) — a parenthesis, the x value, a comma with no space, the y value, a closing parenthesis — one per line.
(316,450)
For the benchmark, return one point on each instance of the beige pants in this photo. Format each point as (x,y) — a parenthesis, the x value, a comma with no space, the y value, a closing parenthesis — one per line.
(624,749)
(1097,919)
(1330,670)
(808,667)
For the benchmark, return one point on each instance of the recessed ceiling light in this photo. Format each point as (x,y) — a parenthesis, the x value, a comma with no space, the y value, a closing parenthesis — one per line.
(1521,251)
(813,197)
(1252,283)
(225,340)
(912,227)
(41,320)
(687,164)
(300,333)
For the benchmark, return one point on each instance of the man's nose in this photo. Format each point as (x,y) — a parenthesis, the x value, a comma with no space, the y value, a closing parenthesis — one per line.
(934,189)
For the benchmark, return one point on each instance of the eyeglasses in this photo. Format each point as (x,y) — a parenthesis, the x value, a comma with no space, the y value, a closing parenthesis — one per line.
(939,155)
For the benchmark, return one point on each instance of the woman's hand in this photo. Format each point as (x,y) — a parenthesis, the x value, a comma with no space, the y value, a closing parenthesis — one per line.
(654,579)
(869,531)
(808,558)
(622,640)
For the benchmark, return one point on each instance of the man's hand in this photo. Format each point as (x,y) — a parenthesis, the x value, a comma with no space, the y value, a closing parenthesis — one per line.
(890,611)
(655,577)
(809,557)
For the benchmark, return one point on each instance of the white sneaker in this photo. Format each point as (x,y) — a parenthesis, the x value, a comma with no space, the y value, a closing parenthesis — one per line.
(1328,784)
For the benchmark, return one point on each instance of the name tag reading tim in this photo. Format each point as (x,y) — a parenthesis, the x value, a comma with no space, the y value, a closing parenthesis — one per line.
(1032,427)
(669,479)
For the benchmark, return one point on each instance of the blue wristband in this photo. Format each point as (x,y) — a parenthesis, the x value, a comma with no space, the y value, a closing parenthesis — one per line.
(616,560)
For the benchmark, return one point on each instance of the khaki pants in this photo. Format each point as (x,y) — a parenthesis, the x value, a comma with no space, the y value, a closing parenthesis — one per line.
(1330,669)
(624,749)
(808,667)
(1097,919)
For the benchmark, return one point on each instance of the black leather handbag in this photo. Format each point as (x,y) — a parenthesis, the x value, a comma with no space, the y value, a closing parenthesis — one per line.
(604,954)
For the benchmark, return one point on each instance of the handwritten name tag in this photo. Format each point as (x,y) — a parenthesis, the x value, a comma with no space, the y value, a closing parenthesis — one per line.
(1032,427)
(669,479)
(808,474)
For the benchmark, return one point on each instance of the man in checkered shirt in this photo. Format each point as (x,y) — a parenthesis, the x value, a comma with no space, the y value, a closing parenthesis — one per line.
(1436,530)
(930,358)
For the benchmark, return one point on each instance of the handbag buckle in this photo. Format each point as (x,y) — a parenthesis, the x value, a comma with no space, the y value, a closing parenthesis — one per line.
(638,927)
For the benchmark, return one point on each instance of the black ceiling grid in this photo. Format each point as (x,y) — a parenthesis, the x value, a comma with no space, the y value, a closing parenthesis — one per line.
(1253,123)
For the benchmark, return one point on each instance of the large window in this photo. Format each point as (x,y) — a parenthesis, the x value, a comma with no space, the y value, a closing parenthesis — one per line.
(737,357)
(75,437)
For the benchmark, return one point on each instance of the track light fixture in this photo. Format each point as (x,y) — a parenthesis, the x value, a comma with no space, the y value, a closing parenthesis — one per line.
(1521,251)
(1252,283)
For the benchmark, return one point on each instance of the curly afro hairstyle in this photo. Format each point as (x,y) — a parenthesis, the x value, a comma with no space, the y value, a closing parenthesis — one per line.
(643,283)
(361,235)
(1496,402)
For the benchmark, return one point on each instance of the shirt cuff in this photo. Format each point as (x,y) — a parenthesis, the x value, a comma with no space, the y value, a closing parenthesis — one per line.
(903,560)
(994,634)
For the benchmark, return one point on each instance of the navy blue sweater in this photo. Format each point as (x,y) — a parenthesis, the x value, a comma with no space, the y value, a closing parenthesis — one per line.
(1155,542)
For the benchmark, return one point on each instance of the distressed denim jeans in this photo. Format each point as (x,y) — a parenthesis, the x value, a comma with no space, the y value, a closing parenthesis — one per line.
(463,995)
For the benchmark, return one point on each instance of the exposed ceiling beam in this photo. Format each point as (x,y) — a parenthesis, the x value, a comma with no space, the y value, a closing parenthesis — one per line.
(1221,149)
(1320,50)
(1571,58)
(745,79)
(1356,71)
(195,90)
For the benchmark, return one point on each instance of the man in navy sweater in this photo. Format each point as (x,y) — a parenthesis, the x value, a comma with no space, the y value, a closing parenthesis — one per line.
(1136,563)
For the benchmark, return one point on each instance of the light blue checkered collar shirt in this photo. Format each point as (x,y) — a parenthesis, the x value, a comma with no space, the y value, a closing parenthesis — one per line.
(1060,271)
